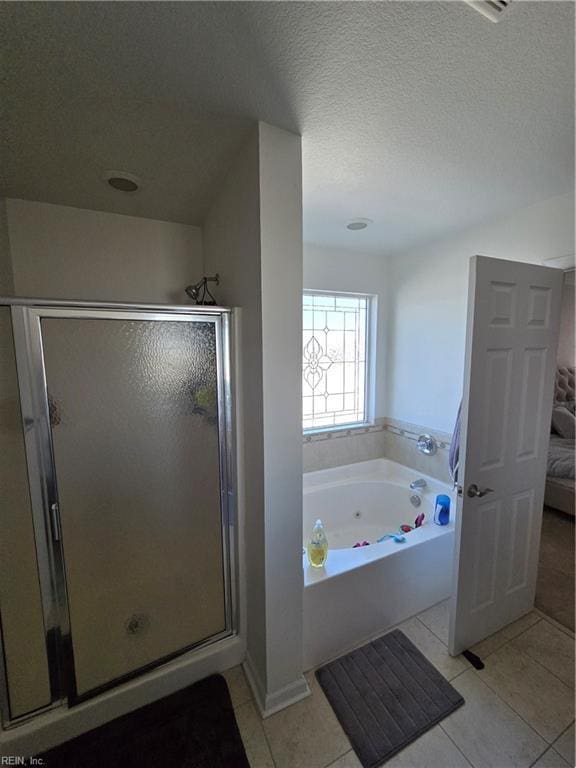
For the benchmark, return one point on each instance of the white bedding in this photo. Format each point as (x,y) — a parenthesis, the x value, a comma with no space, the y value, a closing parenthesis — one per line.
(561,455)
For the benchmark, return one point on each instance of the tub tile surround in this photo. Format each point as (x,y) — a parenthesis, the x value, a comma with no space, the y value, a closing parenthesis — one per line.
(386,438)
(324,450)
(496,728)
(400,445)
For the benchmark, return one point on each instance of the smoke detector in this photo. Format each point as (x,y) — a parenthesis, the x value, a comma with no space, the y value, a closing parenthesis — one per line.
(491,9)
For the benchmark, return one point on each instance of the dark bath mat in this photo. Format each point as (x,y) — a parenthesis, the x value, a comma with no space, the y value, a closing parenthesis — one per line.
(385,695)
(193,728)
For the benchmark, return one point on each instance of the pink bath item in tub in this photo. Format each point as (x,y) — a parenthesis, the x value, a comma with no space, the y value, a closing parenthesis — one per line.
(419,520)
(361,544)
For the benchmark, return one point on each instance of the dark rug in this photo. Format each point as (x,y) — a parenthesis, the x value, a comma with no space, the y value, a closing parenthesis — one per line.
(385,695)
(193,728)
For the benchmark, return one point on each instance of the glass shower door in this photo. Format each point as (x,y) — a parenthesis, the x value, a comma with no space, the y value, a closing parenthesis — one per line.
(135,407)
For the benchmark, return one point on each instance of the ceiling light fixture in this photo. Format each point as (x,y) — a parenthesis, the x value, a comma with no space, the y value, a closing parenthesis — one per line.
(491,9)
(356,224)
(122,181)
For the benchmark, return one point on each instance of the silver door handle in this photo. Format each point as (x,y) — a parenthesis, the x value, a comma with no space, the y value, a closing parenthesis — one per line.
(475,492)
(54,522)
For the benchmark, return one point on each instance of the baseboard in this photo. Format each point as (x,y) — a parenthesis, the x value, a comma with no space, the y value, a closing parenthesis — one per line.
(270,703)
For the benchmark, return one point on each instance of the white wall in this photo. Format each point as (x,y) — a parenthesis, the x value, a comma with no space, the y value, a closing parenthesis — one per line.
(331,269)
(73,253)
(253,238)
(427,305)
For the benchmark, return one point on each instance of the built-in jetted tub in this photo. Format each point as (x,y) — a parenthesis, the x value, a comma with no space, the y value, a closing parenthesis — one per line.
(363,591)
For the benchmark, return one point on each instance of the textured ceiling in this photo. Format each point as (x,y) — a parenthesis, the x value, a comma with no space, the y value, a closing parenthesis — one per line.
(422,116)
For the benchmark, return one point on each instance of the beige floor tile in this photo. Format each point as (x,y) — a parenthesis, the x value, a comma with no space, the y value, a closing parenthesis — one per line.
(550,620)
(541,699)
(516,628)
(434,650)
(238,686)
(551,648)
(252,732)
(551,759)
(488,731)
(436,619)
(349,760)
(484,648)
(565,745)
(432,750)
(492,643)
(307,734)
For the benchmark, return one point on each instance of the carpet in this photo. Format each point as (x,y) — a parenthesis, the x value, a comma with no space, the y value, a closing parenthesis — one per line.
(555,584)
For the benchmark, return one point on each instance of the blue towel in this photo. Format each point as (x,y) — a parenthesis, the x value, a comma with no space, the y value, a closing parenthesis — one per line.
(454,452)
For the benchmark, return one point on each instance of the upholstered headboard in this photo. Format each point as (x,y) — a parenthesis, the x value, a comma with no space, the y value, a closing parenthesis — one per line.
(564,387)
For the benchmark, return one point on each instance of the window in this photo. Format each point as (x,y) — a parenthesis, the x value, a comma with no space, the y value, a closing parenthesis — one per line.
(335,365)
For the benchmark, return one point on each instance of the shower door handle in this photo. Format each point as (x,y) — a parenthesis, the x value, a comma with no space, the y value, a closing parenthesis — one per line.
(54,522)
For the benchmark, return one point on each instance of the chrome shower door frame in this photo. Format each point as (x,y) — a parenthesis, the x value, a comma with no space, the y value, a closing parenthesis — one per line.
(27,330)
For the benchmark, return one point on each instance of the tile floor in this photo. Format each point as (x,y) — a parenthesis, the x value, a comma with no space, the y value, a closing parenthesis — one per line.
(519,710)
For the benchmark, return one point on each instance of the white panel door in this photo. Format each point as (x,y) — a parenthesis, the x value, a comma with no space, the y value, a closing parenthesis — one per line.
(512,334)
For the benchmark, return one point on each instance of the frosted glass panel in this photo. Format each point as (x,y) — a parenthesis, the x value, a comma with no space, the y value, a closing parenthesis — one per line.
(20,601)
(133,407)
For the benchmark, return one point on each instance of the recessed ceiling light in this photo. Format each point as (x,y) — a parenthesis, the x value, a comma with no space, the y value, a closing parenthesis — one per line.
(355,224)
(122,181)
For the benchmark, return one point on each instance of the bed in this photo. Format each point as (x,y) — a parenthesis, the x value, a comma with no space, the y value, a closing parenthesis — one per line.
(560,482)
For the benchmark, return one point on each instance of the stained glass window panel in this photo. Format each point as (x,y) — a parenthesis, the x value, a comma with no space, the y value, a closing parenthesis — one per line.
(334,360)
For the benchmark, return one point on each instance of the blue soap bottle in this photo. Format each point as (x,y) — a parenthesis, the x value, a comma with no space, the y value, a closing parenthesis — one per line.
(442,509)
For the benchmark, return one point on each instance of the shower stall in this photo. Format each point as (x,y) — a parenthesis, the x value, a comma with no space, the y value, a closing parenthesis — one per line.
(117,546)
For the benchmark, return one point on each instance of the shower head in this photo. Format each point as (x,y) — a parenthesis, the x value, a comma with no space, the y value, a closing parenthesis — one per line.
(200,293)
(193,291)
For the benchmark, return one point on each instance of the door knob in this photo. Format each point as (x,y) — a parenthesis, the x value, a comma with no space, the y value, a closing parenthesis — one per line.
(475,492)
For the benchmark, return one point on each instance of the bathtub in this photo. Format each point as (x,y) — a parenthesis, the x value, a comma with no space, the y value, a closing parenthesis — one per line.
(363,591)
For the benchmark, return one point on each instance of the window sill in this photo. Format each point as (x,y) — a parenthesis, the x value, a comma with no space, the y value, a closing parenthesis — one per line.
(329,433)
